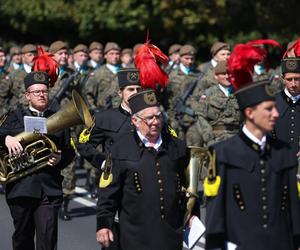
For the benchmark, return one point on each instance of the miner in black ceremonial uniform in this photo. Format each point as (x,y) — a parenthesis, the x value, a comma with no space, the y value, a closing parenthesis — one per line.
(257,204)
(110,126)
(34,200)
(142,180)
(287,127)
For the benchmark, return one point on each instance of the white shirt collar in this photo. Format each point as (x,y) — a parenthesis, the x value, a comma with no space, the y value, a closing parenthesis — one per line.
(35,110)
(214,62)
(112,68)
(225,90)
(77,66)
(261,143)
(184,69)
(93,63)
(125,108)
(27,68)
(294,98)
(146,142)
(16,65)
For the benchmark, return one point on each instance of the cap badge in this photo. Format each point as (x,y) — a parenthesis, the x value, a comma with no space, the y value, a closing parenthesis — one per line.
(39,77)
(291,64)
(133,77)
(150,98)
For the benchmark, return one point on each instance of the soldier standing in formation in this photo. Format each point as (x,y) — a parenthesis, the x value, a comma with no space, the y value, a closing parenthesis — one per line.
(12,86)
(218,114)
(102,87)
(95,55)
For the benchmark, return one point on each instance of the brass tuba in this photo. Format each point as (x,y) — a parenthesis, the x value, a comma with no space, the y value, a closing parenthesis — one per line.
(201,163)
(38,147)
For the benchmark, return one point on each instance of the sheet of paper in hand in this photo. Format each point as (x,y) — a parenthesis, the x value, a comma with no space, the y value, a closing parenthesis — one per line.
(35,124)
(192,235)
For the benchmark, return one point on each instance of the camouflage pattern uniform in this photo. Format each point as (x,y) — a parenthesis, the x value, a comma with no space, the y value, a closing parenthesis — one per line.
(12,91)
(178,83)
(218,118)
(102,87)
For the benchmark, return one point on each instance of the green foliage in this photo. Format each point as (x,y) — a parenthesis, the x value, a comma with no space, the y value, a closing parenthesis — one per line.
(199,22)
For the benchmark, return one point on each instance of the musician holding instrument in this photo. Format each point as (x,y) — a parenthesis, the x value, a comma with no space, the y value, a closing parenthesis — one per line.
(34,199)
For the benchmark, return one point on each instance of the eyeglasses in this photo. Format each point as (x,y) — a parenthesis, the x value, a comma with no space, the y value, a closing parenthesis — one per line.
(150,119)
(39,92)
(290,79)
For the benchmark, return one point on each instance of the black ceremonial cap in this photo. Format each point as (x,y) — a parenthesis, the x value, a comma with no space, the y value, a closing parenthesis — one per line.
(36,77)
(129,76)
(142,100)
(254,93)
(290,65)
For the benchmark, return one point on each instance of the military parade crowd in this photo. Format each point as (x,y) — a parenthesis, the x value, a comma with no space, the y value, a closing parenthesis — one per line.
(136,150)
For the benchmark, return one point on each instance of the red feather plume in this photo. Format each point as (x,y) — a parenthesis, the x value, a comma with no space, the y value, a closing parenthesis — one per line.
(244,57)
(44,62)
(295,47)
(148,60)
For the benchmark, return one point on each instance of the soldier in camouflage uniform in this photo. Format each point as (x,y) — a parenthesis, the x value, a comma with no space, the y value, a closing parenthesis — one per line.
(174,57)
(59,49)
(95,55)
(3,71)
(101,89)
(12,86)
(15,59)
(218,112)
(220,52)
(179,80)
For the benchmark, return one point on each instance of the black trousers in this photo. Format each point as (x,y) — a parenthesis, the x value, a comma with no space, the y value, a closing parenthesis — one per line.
(32,217)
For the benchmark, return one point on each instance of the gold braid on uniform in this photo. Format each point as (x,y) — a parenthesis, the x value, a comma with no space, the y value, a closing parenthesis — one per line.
(212,181)
(106,176)
(84,136)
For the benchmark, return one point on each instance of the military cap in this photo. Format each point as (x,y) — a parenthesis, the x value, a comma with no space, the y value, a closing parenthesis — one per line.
(219,46)
(80,48)
(15,50)
(44,47)
(36,77)
(27,48)
(57,45)
(111,46)
(290,65)
(135,47)
(126,51)
(187,50)
(142,100)
(95,45)
(254,93)
(174,48)
(129,76)
(221,68)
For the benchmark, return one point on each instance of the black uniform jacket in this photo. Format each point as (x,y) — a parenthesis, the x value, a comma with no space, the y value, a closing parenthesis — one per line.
(146,191)
(110,125)
(257,206)
(288,125)
(48,179)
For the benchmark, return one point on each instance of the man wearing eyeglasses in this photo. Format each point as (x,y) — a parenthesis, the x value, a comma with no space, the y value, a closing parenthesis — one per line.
(142,180)
(34,200)
(288,103)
